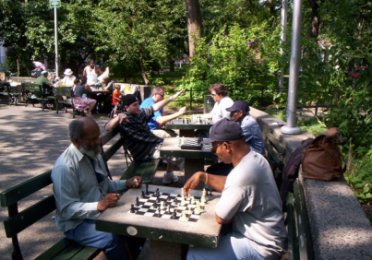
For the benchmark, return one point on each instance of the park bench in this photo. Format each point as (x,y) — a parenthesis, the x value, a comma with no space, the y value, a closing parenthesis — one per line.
(299,233)
(64,98)
(18,220)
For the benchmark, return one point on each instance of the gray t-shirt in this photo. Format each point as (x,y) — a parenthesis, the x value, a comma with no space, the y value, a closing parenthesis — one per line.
(251,201)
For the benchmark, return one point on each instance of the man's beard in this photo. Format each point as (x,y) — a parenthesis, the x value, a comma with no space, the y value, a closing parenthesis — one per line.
(91,153)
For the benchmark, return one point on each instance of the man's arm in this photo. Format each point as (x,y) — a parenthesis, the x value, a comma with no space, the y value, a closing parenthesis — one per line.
(159,105)
(113,123)
(162,120)
(215,181)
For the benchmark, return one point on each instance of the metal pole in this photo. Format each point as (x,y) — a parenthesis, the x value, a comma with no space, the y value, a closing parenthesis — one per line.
(291,127)
(283,34)
(55,41)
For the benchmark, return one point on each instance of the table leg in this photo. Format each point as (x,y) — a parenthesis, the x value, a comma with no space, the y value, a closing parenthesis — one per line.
(165,251)
(192,166)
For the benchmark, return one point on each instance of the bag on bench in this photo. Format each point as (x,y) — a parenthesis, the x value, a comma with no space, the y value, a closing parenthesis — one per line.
(321,160)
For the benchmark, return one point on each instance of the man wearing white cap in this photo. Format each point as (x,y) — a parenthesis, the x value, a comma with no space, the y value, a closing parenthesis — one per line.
(68,80)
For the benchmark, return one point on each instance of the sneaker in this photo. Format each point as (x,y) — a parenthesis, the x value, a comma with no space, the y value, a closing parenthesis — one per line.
(169,178)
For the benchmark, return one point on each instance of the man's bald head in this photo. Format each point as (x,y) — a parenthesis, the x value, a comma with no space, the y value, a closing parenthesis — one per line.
(80,128)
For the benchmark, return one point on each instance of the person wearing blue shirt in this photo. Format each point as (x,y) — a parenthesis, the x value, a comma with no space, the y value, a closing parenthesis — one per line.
(159,119)
(239,112)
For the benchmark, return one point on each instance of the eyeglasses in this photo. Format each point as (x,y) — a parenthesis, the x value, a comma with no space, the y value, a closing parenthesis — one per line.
(215,145)
(214,94)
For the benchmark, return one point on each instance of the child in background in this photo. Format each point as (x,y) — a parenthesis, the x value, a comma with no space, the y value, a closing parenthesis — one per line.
(116,97)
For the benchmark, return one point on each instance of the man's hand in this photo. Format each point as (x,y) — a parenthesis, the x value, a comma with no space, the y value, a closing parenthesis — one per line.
(179,93)
(122,117)
(194,181)
(110,200)
(134,182)
(182,111)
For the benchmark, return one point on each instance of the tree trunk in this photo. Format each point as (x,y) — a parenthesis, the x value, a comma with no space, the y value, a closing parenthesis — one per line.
(143,69)
(18,61)
(194,24)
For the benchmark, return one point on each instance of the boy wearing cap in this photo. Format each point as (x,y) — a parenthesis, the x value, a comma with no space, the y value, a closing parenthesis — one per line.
(138,138)
(250,200)
(239,112)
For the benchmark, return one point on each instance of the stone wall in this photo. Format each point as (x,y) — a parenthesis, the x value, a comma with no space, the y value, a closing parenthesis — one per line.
(339,227)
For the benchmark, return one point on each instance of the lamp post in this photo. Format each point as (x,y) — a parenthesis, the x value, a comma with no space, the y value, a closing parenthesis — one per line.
(55,4)
(291,128)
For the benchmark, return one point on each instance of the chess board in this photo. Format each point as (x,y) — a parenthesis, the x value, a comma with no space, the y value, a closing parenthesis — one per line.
(168,206)
(190,144)
(204,232)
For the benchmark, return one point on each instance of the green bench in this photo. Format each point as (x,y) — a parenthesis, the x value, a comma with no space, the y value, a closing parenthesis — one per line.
(18,220)
(299,234)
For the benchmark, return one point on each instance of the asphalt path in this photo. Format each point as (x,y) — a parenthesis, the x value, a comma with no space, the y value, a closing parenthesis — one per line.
(30,142)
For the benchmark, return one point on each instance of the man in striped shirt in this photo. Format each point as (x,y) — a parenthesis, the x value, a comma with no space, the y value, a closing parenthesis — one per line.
(138,138)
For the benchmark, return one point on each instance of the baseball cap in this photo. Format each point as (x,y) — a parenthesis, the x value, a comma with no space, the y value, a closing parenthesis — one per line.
(129,99)
(224,130)
(239,105)
(44,72)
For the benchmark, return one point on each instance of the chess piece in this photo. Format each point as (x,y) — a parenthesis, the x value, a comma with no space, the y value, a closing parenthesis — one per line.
(183,216)
(143,194)
(132,209)
(197,210)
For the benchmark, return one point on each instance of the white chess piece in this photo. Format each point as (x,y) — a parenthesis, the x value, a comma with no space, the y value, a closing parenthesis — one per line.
(183,216)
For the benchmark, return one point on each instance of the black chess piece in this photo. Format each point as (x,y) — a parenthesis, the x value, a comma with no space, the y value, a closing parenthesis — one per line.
(174,215)
(137,201)
(143,194)
(132,209)
(147,188)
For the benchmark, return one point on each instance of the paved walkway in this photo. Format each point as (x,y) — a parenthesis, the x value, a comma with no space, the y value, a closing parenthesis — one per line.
(30,142)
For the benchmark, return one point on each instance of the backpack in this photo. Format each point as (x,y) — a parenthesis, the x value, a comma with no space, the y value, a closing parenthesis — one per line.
(321,160)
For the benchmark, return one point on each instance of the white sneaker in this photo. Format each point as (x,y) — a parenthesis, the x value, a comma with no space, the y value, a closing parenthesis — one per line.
(169,178)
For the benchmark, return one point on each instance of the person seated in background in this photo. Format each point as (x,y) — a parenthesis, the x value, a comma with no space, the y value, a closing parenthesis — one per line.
(159,119)
(83,190)
(81,93)
(141,142)
(222,101)
(239,112)
(68,79)
(249,201)
(44,83)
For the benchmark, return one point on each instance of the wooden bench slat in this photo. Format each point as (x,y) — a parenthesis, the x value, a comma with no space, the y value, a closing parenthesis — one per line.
(55,249)
(305,246)
(67,249)
(107,136)
(24,189)
(292,238)
(87,253)
(27,217)
(112,150)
